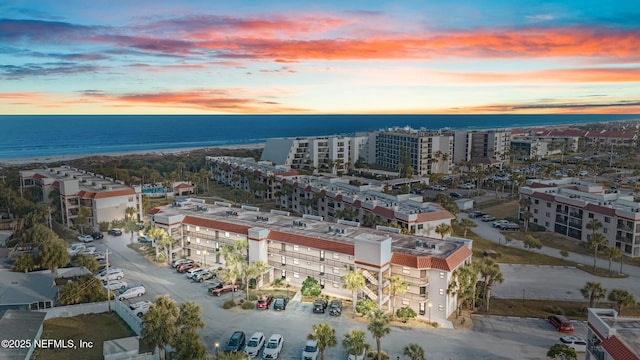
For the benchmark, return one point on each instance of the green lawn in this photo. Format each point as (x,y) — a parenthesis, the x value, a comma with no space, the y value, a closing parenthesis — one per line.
(575,310)
(94,327)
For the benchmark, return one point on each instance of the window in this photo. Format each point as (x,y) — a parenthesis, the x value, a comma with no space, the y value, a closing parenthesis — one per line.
(321,255)
(440,307)
(197,228)
(406,270)
(441,291)
(605,230)
(536,201)
(296,275)
(420,226)
(226,234)
(535,211)
(336,285)
(607,219)
(548,204)
(336,270)
(321,269)
(283,247)
(590,215)
(295,261)
(197,240)
(422,308)
(284,274)
(295,247)
(283,260)
(546,224)
(441,275)
(423,290)
(547,214)
(405,302)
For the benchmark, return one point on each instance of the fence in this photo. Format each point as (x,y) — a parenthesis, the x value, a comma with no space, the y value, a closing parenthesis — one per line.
(75,310)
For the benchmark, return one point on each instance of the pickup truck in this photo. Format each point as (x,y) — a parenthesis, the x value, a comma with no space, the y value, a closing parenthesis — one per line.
(220,288)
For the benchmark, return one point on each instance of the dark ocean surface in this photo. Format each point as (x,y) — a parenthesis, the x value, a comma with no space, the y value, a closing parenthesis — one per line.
(34,136)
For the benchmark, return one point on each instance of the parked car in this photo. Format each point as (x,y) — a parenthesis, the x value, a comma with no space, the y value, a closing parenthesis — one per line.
(178,262)
(145,239)
(280,304)
(438,187)
(85,238)
(467,186)
(487,218)
(74,249)
(97,235)
(254,345)
(115,285)
(141,307)
(455,195)
(360,356)
(576,343)
(88,250)
(583,173)
(320,305)
(184,267)
(264,301)
(236,342)
(110,274)
(194,271)
(310,351)
(335,308)
(561,323)
(114,232)
(99,256)
(221,288)
(476,214)
(498,223)
(273,347)
(131,292)
(509,226)
(205,275)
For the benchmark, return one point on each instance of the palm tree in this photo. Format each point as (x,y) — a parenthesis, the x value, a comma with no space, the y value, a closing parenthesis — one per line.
(396,285)
(414,352)
(325,335)
(378,327)
(593,291)
(524,203)
(129,212)
(467,224)
(252,270)
(188,346)
(159,325)
(189,317)
(526,216)
(130,226)
(594,225)
(354,342)
(463,284)
(621,298)
(491,274)
(443,229)
(597,240)
(612,253)
(353,282)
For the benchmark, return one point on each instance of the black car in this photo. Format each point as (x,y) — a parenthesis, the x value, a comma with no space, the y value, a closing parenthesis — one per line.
(280,304)
(114,232)
(320,305)
(335,308)
(235,343)
(455,195)
(97,235)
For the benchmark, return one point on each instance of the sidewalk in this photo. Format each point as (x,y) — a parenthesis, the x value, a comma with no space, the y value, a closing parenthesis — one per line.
(486,231)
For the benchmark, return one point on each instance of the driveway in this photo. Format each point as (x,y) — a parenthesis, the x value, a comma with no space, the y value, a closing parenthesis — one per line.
(296,321)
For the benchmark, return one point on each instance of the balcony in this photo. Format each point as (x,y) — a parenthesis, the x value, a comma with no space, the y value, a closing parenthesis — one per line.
(624,227)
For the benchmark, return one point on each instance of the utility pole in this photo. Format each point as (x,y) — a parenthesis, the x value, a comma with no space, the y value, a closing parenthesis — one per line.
(106,254)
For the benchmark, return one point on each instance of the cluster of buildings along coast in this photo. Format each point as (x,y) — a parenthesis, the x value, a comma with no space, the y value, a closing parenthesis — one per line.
(320,230)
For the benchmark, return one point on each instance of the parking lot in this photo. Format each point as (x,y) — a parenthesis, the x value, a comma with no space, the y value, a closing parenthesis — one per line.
(492,338)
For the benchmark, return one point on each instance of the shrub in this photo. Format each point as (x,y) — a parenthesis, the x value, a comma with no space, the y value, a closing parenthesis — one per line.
(564,253)
(277,282)
(311,287)
(24,263)
(253,297)
(536,227)
(161,257)
(405,313)
(247,305)
(364,307)
(530,243)
(373,355)
(103,225)
(229,304)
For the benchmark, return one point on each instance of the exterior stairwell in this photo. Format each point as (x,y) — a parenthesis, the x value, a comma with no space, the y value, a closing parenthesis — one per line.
(373,296)
(372,279)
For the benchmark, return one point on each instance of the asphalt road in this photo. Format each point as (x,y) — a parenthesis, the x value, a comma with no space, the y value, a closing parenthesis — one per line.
(492,338)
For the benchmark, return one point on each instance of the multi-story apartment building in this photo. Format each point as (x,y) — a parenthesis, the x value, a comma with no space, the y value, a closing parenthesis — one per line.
(326,153)
(530,148)
(105,198)
(336,199)
(612,337)
(492,144)
(426,151)
(297,247)
(249,175)
(567,205)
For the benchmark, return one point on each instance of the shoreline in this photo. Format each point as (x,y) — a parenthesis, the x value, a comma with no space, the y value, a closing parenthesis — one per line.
(174,151)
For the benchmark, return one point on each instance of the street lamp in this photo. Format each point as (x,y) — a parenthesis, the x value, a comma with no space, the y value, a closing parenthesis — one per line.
(217,345)
(430,305)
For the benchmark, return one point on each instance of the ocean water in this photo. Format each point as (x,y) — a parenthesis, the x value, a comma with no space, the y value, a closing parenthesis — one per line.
(35,136)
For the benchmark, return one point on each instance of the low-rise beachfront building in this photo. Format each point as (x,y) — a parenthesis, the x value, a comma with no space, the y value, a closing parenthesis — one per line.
(105,198)
(612,337)
(297,247)
(568,205)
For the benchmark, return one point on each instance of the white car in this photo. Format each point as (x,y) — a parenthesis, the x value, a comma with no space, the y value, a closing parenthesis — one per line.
(110,274)
(131,292)
(583,173)
(576,343)
(274,347)
(178,262)
(498,223)
(195,271)
(310,351)
(254,345)
(360,356)
(141,307)
(116,285)
(85,238)
(75,249)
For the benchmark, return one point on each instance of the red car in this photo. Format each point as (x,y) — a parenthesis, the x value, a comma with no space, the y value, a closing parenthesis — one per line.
(264,301)
(561,323)
(184,267)
(219,289)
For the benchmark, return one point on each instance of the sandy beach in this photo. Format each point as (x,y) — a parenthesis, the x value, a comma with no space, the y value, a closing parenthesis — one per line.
(61,158)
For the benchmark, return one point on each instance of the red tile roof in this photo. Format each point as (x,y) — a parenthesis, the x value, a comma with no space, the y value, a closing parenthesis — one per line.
(329,245)
(430,262)
(543,196)
(618,350)
(105,194)
(213,224)
(433,216)
(39,176)
(184,186)
(154,211)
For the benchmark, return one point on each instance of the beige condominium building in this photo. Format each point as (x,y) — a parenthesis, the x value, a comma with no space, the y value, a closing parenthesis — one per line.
(612,337)
(568,205)
(105,198)
(297,247)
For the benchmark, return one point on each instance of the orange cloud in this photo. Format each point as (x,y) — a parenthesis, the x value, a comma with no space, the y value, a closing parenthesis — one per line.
(585,75)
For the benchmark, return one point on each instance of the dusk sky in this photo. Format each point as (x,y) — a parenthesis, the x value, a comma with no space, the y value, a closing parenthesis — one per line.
(267,57)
